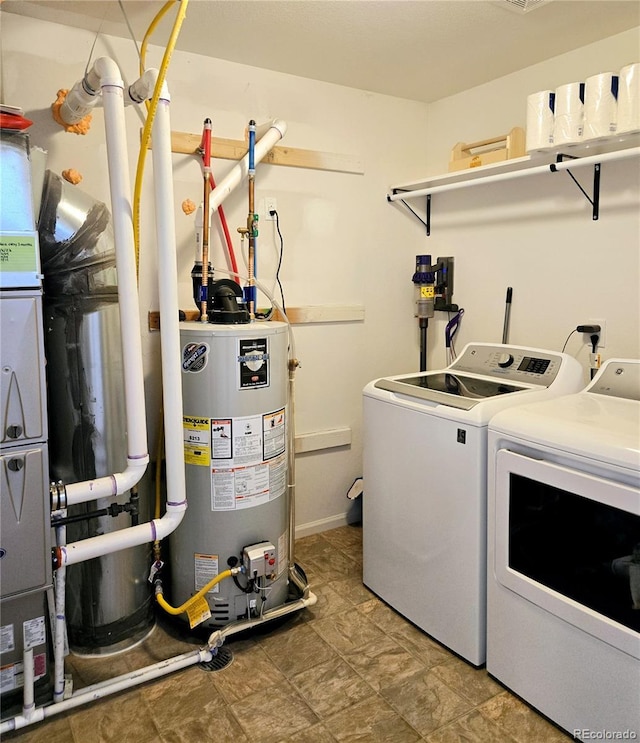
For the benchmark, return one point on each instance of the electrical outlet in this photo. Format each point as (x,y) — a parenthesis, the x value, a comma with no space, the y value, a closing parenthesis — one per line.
(270,205)
(603,331)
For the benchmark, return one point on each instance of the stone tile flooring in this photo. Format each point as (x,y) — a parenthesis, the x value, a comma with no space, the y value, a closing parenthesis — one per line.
(347,669)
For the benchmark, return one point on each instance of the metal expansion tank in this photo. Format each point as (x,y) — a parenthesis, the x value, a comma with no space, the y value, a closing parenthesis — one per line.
(109,606)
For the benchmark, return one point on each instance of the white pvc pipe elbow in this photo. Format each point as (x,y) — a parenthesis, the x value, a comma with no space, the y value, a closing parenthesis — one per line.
(132,536)
(84,95)
(108,486)
(142,89)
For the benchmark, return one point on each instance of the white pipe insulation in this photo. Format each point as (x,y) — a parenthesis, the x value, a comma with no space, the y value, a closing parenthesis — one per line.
(105,73)
(137,457)
(28,681)
(169,303)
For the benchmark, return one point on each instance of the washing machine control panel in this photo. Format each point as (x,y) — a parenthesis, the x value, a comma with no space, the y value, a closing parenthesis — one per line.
(515,363)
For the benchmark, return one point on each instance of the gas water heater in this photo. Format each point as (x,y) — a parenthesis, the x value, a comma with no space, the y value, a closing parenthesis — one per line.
(235,380)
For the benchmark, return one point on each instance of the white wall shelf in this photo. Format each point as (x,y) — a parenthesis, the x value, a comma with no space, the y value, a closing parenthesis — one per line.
(548,161)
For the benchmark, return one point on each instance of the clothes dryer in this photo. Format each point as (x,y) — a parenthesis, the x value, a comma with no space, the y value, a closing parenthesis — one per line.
(564,555)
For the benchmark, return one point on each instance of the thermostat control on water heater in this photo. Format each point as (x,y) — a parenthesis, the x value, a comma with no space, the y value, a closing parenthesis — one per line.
(259,560)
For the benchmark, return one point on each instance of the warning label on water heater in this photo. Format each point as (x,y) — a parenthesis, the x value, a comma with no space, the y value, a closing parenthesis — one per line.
(248,460)
(246,456)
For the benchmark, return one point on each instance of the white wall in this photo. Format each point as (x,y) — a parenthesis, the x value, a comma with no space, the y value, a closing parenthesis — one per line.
(344,244)
(537,234)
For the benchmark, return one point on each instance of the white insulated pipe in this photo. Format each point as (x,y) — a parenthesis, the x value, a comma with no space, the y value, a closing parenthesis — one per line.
(138,458)
(217,638)
(28,698)
(106,688)
(274,133)
(169,303)
(512,175)
(106,71)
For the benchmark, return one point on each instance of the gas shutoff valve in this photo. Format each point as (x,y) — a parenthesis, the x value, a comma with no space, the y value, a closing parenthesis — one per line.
(259,560)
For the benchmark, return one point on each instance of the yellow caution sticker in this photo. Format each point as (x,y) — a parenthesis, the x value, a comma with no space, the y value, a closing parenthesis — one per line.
(198,612)
(427,292)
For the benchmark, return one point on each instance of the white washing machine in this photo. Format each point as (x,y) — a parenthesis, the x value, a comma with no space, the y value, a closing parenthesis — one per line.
(424,503)
(563,623)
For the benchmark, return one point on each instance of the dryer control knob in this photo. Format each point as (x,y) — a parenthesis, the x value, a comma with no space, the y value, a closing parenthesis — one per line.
(505,360)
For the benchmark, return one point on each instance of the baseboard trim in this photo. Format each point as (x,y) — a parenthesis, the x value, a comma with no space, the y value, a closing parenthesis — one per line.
(315,527)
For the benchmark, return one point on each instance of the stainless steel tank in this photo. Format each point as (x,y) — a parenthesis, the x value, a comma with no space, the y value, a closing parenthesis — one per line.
(108,606)
(234,380)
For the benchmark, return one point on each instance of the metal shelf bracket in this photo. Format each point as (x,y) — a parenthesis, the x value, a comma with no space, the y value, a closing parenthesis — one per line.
(595,201)
(427,221)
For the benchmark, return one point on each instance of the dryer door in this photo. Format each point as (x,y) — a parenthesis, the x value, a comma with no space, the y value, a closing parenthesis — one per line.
(570,543)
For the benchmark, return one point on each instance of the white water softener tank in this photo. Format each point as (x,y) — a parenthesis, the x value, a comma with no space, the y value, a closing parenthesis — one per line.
(234,380)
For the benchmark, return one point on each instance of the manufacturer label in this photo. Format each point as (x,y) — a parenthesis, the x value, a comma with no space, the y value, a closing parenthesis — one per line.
(34,632)
(253,363)
(18,254)
(7,642)
(195,357)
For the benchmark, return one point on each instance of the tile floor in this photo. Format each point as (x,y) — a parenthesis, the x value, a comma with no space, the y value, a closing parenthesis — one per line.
(347,669)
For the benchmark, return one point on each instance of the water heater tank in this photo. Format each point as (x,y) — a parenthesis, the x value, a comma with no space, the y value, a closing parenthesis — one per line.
(234,380)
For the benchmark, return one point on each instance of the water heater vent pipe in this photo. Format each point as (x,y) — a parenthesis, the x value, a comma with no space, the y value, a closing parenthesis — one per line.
(105,77)
(112,90)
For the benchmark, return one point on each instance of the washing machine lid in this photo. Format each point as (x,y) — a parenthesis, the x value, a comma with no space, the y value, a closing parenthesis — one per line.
(486,371)
(455,390)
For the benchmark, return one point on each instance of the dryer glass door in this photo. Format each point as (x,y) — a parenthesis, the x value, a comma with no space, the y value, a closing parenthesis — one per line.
(570,543)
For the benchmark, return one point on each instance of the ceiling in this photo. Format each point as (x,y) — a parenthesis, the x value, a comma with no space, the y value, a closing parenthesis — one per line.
(418,49)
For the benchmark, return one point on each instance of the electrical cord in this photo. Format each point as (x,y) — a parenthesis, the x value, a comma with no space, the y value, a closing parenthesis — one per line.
(248,588)
(567,341)
(450,331)
(594,337)
(273,212)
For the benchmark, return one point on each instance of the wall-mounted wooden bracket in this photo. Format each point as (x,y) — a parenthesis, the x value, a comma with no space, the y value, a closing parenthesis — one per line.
(184,143)
(595,201)
(323,314)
